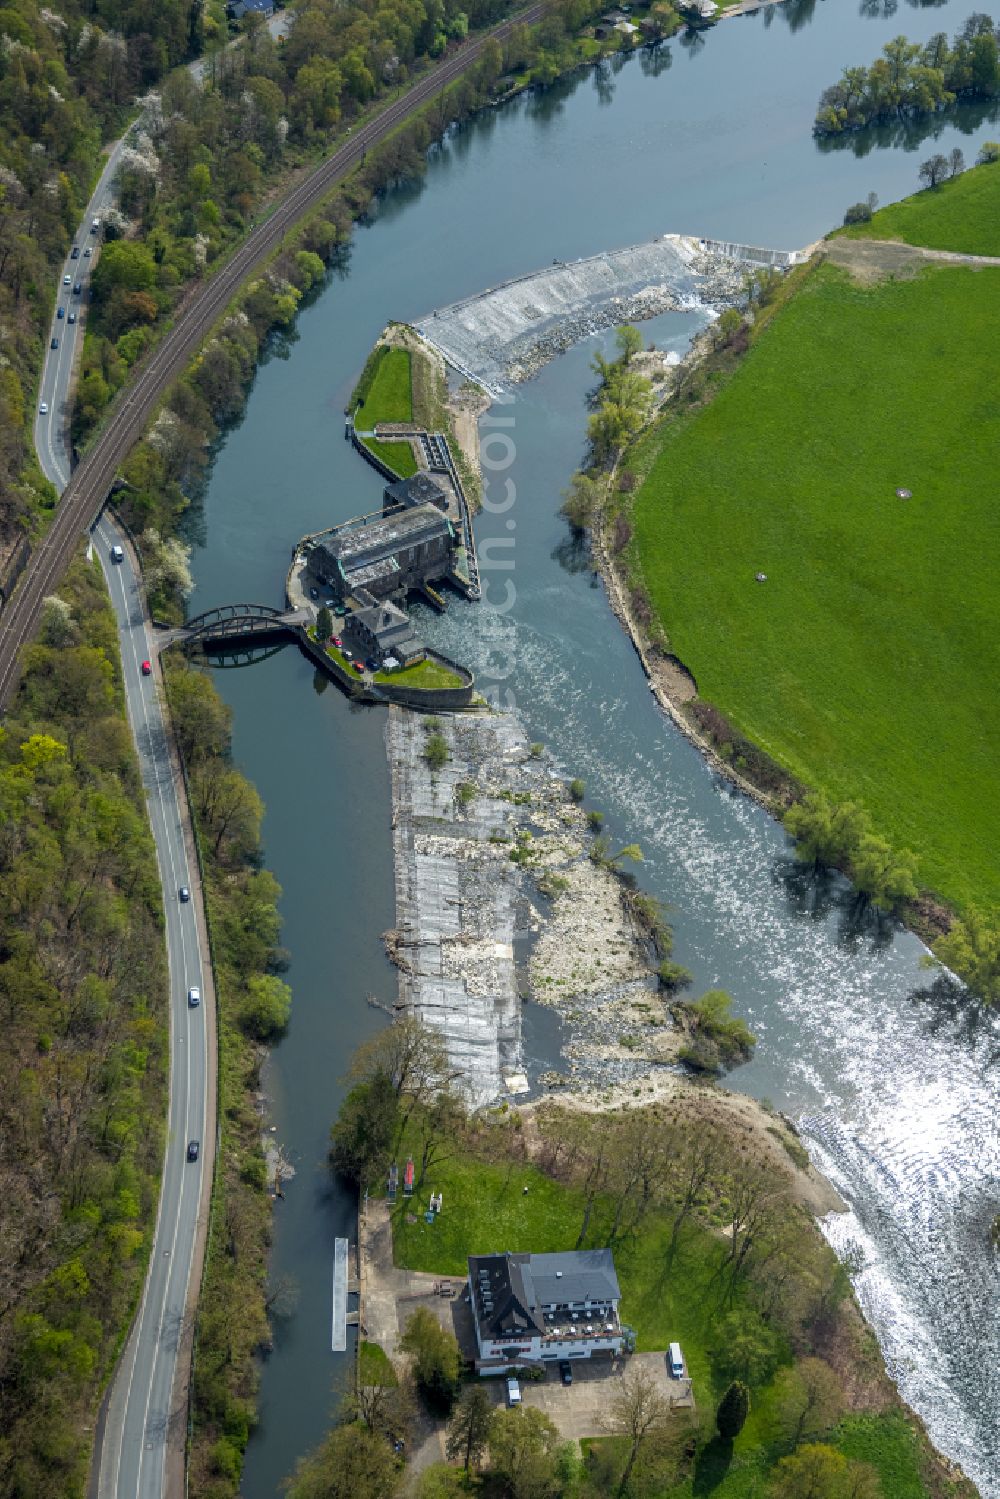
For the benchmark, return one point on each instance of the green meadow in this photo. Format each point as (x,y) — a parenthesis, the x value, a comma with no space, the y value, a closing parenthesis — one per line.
(963,214)
(867,662)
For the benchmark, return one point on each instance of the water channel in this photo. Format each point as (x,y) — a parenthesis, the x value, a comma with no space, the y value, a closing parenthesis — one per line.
(898,1097)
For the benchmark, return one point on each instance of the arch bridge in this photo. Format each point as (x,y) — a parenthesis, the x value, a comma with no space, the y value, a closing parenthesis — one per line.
(233,623)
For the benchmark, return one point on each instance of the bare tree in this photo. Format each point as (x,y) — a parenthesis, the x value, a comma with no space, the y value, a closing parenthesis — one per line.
(934,170)
(637,1410)
(956,162)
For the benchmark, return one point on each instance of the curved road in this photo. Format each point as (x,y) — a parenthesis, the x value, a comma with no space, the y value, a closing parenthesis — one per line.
(144,1414)
(87,490)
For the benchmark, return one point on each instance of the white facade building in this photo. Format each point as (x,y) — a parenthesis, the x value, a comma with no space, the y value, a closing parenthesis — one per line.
(530,1308)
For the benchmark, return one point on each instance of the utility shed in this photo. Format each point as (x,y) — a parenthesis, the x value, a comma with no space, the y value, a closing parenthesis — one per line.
(389,554)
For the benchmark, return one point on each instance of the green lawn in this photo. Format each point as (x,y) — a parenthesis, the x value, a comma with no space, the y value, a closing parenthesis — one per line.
(422,674)
(398,455)
(963,214)
(867,663)
(390,395)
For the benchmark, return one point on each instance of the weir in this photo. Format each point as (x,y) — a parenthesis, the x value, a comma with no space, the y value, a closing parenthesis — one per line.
(505,334)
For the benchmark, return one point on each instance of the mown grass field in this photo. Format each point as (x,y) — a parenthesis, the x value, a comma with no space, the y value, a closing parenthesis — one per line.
(486,1208)
(390,395)
(867,663)
(963,214)
(421,674)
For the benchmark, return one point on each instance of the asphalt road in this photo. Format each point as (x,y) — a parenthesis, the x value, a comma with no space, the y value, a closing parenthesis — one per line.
(87,490)
(140,1417)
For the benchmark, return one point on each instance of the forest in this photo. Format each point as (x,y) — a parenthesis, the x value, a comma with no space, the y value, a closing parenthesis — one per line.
(83,1066)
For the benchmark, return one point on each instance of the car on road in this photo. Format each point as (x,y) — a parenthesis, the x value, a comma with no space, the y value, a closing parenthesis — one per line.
(194,1146)
(513,1392)
(194,997)
(87,251)
(54,343)
(71,318)
(565,1371)
(67,281)
(61,312)
(43,409)
(184,894)
(117,555)
(74,254)
(147,669)
(78,289)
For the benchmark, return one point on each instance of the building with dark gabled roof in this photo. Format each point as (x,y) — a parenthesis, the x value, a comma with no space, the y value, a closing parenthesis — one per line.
(532,1308)
(383,630)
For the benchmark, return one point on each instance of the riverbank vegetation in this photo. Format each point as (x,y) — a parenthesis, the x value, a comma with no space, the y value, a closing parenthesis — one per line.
(910,79)
(712,1249)
(253,1007)
(83,992)
(834,600)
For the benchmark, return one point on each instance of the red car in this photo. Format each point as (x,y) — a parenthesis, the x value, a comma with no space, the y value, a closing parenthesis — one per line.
(358,665)
(337,641)
(147,669)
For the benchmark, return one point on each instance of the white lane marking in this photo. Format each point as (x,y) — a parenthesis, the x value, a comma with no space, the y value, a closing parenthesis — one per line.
(107,542)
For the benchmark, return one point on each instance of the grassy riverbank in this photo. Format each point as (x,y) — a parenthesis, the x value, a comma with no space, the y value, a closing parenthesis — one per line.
(962,215)
(863,664)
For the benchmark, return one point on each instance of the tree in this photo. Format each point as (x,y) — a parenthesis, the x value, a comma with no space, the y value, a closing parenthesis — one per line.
(124,265)
(166,563)
(883,875)
(437,1360)
(744,1347)
(808,1400)
(436,751)
(637,1410)
(629,341)
(352,1463)
(523,1443)
(934,170)
(469,1428)
(415,1059)
(826,835)
(734,1407)
(265,1010)
(956,162)
(202,721)
(324,624)
(816,1471)
(972,949)
(989,152)
(728,325)
(362,1137)
(582,501)
(718,1040)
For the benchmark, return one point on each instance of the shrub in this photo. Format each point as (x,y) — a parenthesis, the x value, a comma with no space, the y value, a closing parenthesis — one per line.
(436,751)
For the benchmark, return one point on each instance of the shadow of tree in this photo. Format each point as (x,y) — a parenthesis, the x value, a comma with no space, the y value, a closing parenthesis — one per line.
(711,1466)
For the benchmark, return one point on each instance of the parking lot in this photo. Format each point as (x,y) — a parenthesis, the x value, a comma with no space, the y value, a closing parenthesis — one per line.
(583,1409)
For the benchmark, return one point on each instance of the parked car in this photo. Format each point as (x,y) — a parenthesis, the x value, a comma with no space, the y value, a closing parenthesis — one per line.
(43,409)
(337,641)
(372,664)
(675,1361)
(184,895)
(71,317)
(565,1371)
(314,593)
(54,343)
(194,1147)
(513,1392)
(194,998)
(61,312)
(147,668)
(117,555)
(358,665)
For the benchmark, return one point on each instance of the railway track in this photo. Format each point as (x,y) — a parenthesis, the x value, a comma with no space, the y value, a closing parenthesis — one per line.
(85,494)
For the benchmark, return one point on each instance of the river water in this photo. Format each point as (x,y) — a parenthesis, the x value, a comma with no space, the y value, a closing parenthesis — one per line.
(897,1096)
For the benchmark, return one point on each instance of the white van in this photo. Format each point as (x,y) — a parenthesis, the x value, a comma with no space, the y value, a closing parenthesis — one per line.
(513,1392)
(675,1361)
(117,555)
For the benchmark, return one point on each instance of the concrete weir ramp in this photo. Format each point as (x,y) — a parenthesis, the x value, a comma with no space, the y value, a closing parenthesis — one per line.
(456,896)
(506,333)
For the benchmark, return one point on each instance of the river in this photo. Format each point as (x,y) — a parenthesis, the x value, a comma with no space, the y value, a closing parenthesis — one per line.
(897,1097)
